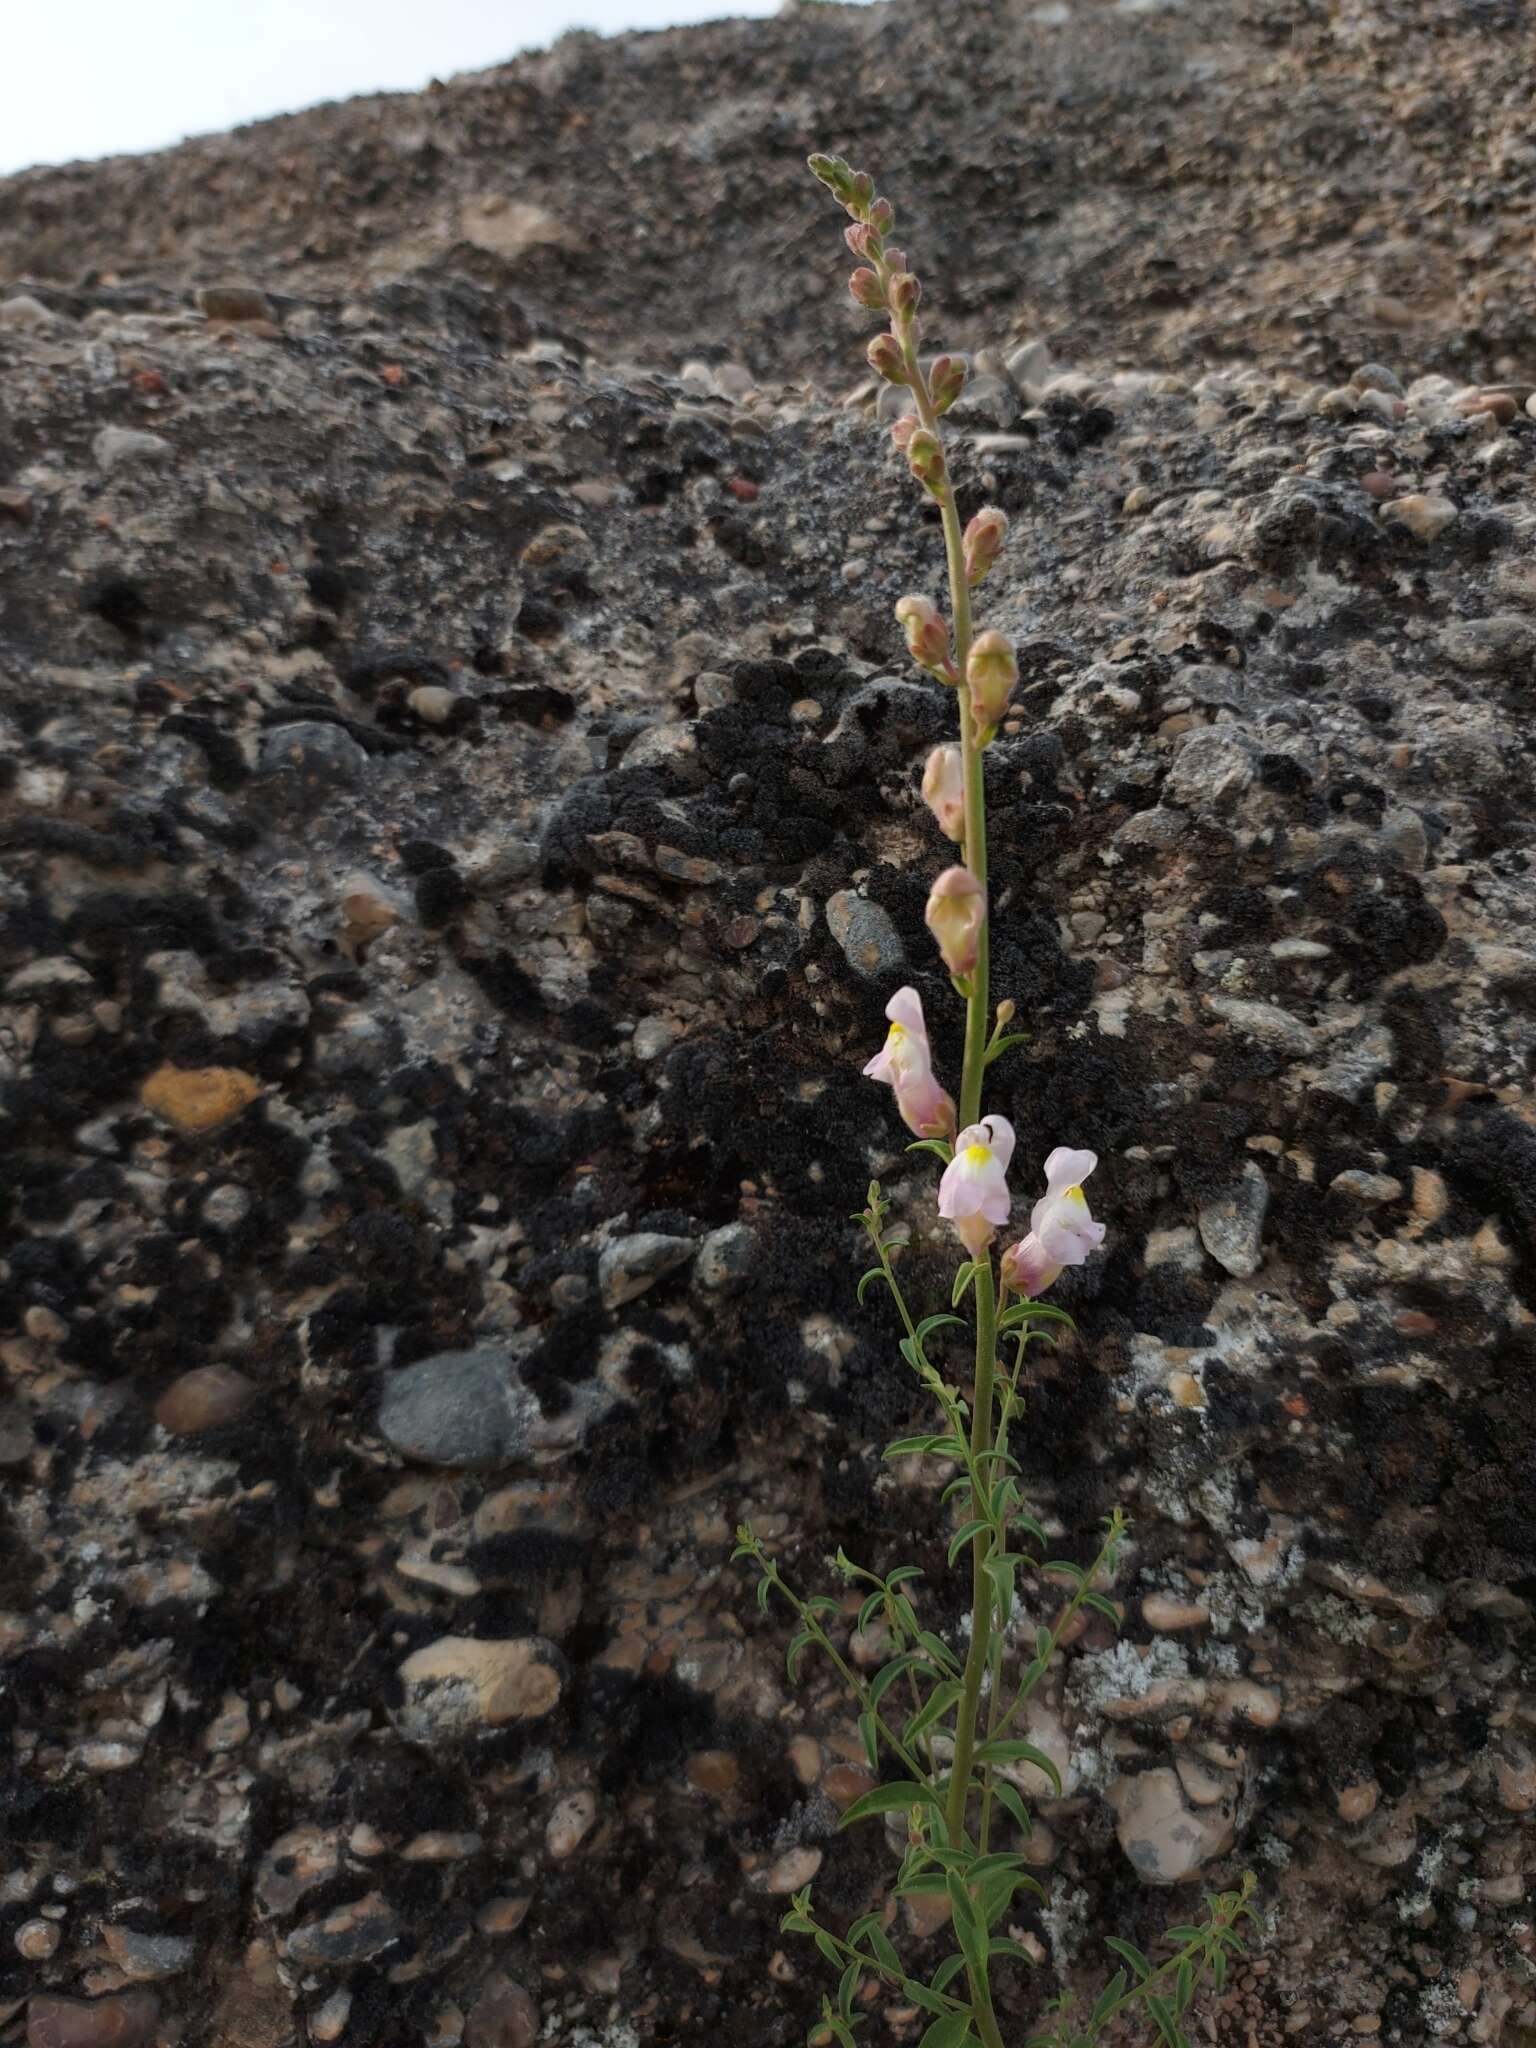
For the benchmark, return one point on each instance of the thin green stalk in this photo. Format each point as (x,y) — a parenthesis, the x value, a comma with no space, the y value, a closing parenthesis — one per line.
(975,848)
(850,1677)
(981,1585)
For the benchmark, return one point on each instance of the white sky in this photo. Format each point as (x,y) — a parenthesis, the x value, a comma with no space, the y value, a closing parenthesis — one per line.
(88,78)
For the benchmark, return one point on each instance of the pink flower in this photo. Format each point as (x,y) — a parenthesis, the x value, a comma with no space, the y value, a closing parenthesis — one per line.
(956,912)
(918,617)
(944,790)
(1061,1231)
(906,1062)
(973,1195)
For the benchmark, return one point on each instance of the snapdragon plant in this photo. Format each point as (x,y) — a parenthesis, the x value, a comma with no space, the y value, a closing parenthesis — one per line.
(942,1731)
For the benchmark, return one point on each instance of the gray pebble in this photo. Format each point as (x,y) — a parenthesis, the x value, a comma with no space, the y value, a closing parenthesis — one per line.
(869,940)
(459,1408)
(1265,1023)
(118,447)
(1213,766)
(315,753)
(725,1258)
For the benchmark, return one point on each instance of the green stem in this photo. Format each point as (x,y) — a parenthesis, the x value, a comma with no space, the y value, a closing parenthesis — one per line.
(975,847)
(882,1253)
(981,1585)
(1062,1620)
(850,1677)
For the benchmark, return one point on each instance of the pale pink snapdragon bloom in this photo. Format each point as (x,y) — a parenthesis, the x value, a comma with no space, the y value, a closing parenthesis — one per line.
(973,1194)
(906,1062)
(1061,1230)
(944,790)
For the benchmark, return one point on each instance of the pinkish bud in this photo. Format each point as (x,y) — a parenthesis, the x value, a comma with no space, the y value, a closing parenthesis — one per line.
(927,634)
(946,381)
(867,290)
(926,456)
(862,240)
(886,360)
(882,216)
(903,429)
(905,293)
(944,790)
(984,539)
(991,672)
(957,910)
(896,258)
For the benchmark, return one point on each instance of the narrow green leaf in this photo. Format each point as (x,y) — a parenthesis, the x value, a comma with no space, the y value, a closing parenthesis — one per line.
(938,1702)
(861,1927)
(902,1573)
(963,1279)
(829,1949)
(953,2031)
(1011,1800)
(910,1446)
(967,1533)
(848,1987)
(795,1652)
(919,1994)
(1004,1945)
(874,1273)
(1181,1937)
(887,1676)
(1065,1569)
(939,1650)
(764,1588)
(880,1942)
(929,1324)
(871,1608)
(1163,2016)
(890,1799)
(1102,1606)
(1108,1998)
(939,1147)
(869,1730)
(968,1928)
(1045,1642)
(1219,1967)
(1183,1985)
(995,1052)
(1012,1752)
(1128,1952)
(947,1972)
(922,1887)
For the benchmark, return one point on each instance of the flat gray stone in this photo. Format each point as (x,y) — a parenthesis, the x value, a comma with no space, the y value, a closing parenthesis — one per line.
(631,1265)
(460,1408)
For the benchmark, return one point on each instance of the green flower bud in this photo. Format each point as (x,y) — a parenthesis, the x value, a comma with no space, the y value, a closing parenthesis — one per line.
(926,456)
(833,173)
(991,672)
(861,196)
(886,360)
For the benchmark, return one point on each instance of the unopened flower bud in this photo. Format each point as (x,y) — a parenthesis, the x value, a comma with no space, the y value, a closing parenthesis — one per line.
(836,175)
(1007,1010)
(927,634)
(882,216)
(984,539)
(866,290)
(862,240)
(885,359)
(991,672)
(944,790)
(956,912)
(903,429)
(905,293)
(946,381)
(926,456)
(861,195)
(896,258)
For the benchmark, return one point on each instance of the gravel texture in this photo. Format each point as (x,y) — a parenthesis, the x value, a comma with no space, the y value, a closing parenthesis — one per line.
(459,816)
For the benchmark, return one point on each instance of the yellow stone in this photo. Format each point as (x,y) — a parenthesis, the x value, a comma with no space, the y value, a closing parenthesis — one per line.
(199,1098)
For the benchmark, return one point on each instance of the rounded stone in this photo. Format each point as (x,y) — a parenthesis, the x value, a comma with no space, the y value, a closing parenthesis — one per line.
(869,940)
(502,2016)
(198,1099)
(459,1408)
(461,1684)
(204,1398)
